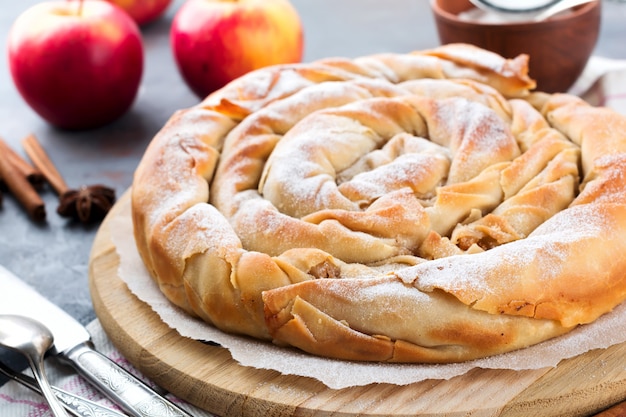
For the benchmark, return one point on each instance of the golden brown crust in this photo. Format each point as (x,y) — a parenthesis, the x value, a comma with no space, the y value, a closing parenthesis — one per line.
(411,208)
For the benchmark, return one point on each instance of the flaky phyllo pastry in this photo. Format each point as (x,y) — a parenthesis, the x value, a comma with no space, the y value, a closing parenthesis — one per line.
(423,207)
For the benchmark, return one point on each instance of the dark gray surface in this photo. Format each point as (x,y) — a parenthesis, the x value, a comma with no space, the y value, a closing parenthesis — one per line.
(54,257)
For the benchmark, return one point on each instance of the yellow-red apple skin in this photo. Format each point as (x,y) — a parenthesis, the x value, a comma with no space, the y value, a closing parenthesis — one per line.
(143,12)
(214,41)
(76,71)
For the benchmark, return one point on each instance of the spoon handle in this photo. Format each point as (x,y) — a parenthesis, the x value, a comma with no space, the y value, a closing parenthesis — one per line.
(40,376)
(558,8)
(78,406)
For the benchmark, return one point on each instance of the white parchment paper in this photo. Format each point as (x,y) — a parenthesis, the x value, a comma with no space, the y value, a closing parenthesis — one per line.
(604,83)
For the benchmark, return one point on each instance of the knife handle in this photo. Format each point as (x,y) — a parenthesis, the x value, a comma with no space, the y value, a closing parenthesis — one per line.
(135,397)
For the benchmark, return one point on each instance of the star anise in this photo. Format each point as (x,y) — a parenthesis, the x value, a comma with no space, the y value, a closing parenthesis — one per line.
(87,204)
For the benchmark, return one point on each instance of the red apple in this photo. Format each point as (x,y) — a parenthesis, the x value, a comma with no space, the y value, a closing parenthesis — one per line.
(77,64)
(143,11)
(216,41)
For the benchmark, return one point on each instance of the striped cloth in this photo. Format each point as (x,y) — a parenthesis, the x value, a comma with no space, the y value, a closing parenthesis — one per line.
(603,83)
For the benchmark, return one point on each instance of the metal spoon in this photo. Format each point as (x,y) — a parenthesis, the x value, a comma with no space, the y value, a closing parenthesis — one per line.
(508,6)
(32,339)
(536,10)
(558,8)
(74,404)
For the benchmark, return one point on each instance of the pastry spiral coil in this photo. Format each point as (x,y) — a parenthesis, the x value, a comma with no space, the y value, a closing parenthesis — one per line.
(423,207)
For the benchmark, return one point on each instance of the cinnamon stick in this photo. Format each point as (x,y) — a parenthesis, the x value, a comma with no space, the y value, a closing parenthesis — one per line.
(42,162)
(19,185)
(32,174)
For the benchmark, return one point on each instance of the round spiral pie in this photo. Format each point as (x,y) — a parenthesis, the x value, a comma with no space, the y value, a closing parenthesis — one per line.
(424,207)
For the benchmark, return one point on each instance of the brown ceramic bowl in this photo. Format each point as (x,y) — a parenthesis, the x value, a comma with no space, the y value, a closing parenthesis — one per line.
(559,47)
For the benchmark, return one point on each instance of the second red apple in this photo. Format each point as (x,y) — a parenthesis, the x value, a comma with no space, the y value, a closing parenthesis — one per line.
(216,41)
(143,11)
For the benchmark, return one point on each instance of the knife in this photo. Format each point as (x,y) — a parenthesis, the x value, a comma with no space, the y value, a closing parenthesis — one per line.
(78,406)
(73,346)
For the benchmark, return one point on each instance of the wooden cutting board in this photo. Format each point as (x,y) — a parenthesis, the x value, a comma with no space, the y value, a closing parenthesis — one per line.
(209,378)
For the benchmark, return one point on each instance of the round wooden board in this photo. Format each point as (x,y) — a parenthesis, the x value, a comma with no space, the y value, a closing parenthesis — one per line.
(209,378)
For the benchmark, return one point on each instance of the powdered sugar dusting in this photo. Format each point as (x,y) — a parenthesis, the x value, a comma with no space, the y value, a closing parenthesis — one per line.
(337,374)
(301,180)
(474,133)
(541,257)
